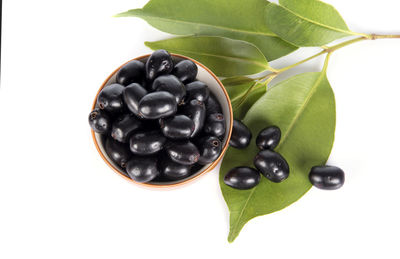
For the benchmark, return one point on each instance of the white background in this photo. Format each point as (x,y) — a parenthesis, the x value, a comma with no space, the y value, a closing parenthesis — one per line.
(58,199)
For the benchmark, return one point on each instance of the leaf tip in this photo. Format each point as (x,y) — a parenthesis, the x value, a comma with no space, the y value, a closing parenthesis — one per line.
(132,12)
(232,237)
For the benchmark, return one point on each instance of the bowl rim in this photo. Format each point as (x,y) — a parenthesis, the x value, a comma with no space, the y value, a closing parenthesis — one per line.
(206,170)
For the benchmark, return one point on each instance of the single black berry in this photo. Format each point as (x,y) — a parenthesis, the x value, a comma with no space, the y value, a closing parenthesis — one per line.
(272,165)
(110,98)
(242,178)
(132,72)
(118,152)
(185,152)
(268,138)
(177,127)
(157,105)
(147,143)
(215,125)
(241,135)
(197,90)
(159,63)
(210,148)
(185,70)
(124,126)
(212,105)
(99,121)
(196,111)
(327,177)
(172,170)
(132,95)
(142,169)
(171,84)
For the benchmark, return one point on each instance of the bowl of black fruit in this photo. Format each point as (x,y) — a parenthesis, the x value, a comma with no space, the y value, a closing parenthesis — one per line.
(161,120)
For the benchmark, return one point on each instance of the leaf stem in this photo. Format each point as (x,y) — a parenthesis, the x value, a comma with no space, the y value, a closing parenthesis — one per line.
(326,49)
(377,36)
(326,62)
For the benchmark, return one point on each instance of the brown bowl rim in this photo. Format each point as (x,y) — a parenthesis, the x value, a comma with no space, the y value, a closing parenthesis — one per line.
(206,170)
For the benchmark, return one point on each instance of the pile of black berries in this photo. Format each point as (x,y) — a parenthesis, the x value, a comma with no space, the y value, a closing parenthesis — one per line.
(271,164)
(158,123)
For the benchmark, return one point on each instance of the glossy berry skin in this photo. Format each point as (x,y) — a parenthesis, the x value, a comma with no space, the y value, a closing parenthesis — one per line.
(142,169)
(210,148)
(215,125)
(177,127)
(171,84)
(268,138)
(118,152)
(185,71)
(197,90)
(147,143)
(157,105)
(272,165)
(196,111)
(242,178)
(124,126)
(185,152)
(132,72)
(212,105)
(132,95)
(110,98)
(327,177)
(99,121)
(172,170)
(241,135)
(159,63)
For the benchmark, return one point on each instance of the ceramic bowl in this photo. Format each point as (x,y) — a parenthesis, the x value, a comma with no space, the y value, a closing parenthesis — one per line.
(205,75)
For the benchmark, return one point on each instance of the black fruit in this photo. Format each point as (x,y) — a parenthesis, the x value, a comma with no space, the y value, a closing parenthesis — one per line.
(272,165)
(110,98)
(147,143)
(132,95)
(185,153)
(197,90)
(212,105)
(132,72)
(196,111)
(99,121)
(142,169)
(215,125)
(268,138)
(185,70)
(210,148)
(159,63)
(171,84)
(242,178)
(172,170)
(157,105)
(118,152)
(177,127)
(241,135)
(327,177)
(124,126)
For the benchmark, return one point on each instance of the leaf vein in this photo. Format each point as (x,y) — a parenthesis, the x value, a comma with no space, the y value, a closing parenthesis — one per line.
(251,61)
(319,24)
(204,25)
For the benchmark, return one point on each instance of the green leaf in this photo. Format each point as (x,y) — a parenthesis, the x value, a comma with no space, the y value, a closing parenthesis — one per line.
(225,57)
(303,107)
(306,22)
(236,19)
(237,88)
